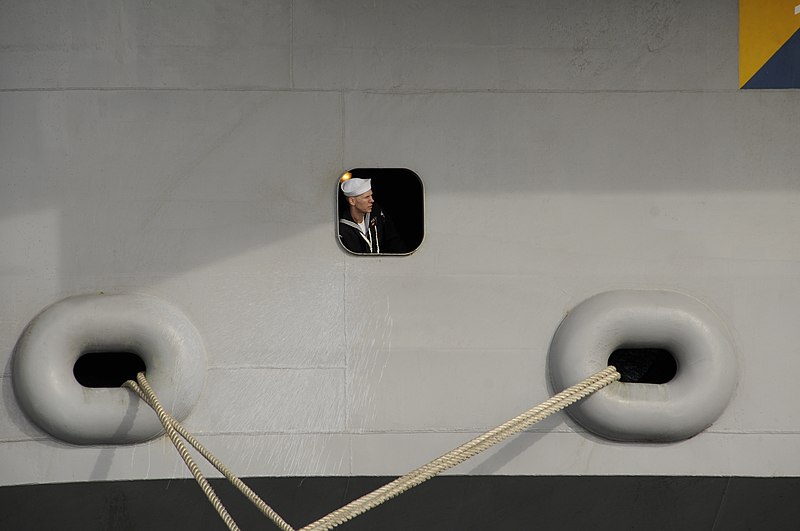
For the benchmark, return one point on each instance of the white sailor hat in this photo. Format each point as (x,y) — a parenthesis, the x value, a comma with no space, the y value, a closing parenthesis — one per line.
(355,186)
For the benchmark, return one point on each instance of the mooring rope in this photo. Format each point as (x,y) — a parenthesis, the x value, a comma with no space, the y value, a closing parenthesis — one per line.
(150,398)
(445,462)
(187,458)
(467,450)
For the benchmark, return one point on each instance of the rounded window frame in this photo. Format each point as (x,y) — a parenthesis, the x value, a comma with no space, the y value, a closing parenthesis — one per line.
(385,178)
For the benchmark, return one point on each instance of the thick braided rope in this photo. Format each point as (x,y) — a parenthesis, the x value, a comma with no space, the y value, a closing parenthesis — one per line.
(211,458)
(388,491)
(467,450)
(187,458)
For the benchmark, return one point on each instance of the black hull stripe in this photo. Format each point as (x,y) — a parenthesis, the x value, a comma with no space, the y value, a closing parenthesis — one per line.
(560,503)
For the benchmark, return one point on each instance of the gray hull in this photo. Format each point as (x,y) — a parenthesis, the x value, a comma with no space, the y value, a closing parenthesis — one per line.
(190,151)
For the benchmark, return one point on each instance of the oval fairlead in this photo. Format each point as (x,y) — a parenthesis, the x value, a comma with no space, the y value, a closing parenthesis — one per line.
(156,331)
(636,319)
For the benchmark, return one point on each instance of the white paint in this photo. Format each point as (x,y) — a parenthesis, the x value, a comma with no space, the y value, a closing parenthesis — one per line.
(565,152)
(48,392)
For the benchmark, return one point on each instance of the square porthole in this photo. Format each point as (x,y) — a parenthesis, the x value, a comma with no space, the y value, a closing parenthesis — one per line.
(380,211)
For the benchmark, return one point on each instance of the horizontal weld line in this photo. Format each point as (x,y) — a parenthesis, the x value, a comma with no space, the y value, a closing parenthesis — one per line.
(379,91)
(276,368)
(362,433)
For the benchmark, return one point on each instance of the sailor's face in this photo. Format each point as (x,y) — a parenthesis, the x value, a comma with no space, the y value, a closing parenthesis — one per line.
(363,202)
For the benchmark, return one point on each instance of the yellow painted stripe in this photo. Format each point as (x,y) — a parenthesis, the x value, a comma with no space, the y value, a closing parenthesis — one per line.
(764,26)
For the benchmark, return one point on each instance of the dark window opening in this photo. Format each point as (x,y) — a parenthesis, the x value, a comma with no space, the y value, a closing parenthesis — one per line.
(644,365)
(107,369)
(397,212)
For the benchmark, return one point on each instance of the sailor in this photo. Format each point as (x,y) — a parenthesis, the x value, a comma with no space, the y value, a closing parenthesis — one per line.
(364,227)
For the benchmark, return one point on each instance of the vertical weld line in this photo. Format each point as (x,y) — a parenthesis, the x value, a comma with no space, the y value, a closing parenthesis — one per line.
(291,44)
(343,134)
(346,368)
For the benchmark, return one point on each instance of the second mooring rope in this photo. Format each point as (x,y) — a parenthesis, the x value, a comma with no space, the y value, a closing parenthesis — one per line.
(447,461)
(147,394)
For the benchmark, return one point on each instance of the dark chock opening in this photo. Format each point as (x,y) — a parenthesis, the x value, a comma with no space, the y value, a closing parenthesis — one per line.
(107,369)
(644,365)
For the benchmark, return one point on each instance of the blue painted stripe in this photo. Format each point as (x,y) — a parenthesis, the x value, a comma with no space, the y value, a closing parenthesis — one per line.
(782,71)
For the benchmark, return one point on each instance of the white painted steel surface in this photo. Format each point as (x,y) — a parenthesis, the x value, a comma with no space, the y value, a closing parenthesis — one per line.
(189,149)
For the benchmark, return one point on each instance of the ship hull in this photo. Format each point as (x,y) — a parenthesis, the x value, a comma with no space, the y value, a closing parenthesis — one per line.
(190,153)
